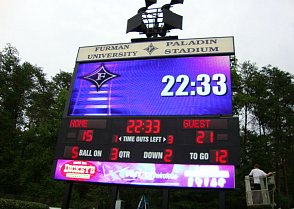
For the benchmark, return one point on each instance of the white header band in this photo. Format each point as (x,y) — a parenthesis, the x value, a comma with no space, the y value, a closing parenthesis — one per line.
(165,48)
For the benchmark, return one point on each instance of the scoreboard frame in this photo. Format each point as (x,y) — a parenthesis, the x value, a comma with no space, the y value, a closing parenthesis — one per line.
(125,129)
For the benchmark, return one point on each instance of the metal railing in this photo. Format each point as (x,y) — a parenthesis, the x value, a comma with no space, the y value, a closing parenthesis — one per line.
(263,196)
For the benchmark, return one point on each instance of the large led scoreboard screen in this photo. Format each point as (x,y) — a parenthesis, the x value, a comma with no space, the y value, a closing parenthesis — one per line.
(164,86)
(152,119)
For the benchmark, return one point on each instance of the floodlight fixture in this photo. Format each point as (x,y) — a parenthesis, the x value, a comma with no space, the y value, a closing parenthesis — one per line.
(154,22)
(150,2)
(172,2)
(142,9)
(171,20)
(166,6)
(136,24)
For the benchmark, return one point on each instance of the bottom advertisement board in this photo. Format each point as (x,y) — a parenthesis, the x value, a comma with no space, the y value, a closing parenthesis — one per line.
(147,174)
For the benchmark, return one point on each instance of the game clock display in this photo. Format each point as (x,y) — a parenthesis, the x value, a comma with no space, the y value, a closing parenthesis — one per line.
(139,126)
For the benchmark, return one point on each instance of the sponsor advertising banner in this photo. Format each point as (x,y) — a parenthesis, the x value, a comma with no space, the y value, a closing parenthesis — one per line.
(149,174)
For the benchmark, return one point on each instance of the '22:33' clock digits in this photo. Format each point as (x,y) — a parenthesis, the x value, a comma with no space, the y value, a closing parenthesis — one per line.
(146,126)
(204,85)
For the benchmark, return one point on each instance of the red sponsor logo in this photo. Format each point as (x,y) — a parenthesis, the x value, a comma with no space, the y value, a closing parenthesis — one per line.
(78,170)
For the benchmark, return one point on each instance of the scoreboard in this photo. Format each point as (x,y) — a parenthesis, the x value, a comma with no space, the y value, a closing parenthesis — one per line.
(156,121)
(184,140)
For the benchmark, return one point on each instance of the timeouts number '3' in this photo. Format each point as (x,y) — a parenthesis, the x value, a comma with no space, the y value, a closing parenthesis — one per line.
(204,88)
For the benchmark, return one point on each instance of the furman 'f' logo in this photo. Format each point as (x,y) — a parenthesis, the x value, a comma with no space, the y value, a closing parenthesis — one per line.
(100,76)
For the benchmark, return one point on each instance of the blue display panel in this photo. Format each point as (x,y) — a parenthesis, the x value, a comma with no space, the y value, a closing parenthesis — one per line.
(153,87)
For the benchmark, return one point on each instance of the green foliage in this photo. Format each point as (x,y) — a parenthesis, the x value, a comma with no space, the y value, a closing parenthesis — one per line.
(30,110)
(265,104)
(190,199)
(18,204)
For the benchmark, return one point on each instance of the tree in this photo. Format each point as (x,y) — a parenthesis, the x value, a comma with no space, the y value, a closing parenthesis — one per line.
(265,99)
(279,114)
(30,110)
(13,88)
(243,99)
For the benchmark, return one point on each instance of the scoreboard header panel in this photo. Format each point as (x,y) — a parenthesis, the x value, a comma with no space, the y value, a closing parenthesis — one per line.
(164,48)
(162,86)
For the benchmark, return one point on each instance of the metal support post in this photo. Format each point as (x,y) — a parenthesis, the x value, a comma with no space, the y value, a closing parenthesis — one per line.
(67,195)
(221,199)
(165,199)
(114,194)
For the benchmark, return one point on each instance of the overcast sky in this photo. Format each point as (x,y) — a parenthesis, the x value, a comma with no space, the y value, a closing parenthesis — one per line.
(48,33)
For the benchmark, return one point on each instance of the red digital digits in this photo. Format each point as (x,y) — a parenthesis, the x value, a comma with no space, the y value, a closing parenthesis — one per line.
(170,139)
(115,138)
(204,137)
(130,126)
(211,137)
(75,152)
(138,126)
(168,153)
(87,135)
(220,156)
(200,136)
(114,153)
(156,126)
